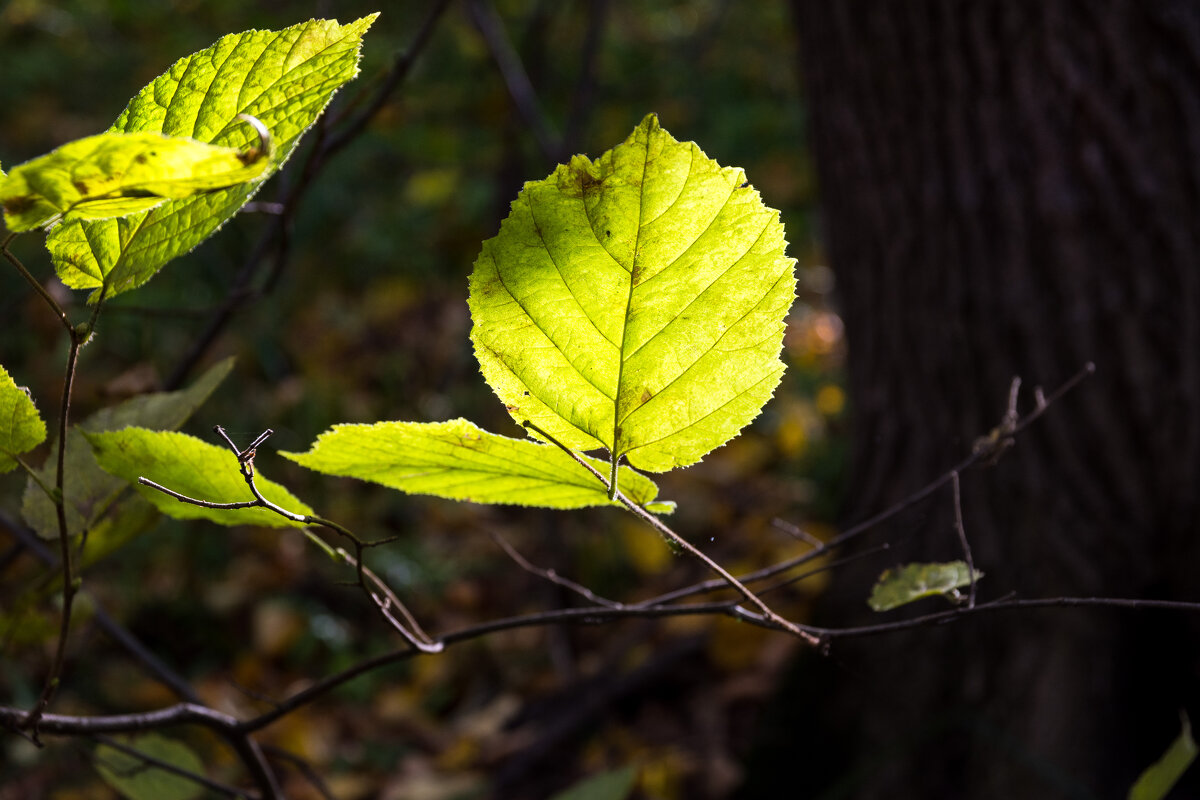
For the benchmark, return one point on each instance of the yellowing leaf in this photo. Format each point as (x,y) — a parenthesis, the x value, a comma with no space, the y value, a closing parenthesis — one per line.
(114,174)
(459,461)
(194,468)
(284,79)
(21,427)
(89,492)
(635,303)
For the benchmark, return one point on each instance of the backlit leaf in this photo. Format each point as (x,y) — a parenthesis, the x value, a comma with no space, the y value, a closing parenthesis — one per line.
(1161,776)
(635,303)
(113,174)
(897,587)
(459,461)
(89,492)
(283,78)
(194,468)
(21,427)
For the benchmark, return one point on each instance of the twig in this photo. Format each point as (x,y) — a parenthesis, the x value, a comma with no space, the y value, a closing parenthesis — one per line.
(297,179)
(33,282)
(553,576)
(140,653)
(79,335)
(854,531)
(226,727)
(516,80)
(962,537)
(381,596)
(303,767)
(795,531)
(662,528)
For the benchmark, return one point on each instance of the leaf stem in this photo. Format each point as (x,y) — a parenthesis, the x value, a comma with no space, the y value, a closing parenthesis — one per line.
(662,528)
(612,479)
(32,281)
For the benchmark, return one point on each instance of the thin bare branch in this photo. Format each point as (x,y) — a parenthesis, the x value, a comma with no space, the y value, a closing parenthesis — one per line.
(658,525)
(552,576)
(516,80)
(380,595)
(961,529)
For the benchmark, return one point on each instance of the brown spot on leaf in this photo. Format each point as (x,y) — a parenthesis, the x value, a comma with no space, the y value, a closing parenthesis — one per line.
(18,205)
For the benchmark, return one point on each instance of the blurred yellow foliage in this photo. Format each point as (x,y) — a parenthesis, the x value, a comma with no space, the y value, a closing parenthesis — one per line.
(830,400)
(647,551)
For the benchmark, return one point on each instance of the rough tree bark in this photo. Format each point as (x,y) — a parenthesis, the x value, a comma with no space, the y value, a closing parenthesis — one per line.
(1013,188)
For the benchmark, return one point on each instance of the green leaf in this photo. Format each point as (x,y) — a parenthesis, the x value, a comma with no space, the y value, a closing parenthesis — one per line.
(193,468)
(138,780)
(1162,775)
(897,587)
(89,492)
(282,78)
(21,427)
(635,303)
(119,173)
(459,461)
(612,785)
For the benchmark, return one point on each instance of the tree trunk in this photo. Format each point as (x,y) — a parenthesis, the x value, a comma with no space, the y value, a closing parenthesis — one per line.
(1013,188)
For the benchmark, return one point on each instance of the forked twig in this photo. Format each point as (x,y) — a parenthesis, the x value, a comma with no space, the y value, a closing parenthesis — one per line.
(553,576)
(393,611)
(671,535)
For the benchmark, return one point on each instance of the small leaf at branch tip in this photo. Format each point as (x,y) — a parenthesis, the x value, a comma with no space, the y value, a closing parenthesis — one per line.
(910,582)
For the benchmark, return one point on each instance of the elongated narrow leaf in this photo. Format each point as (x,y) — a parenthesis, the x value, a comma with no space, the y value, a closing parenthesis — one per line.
(459,461)
(21,427)
(136,779)
(635,303)
(1161,776)
(191,467)
(897,587)
(120,173)
(89,491)
(282,78)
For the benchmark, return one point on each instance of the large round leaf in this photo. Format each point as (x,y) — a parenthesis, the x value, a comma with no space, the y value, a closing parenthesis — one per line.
(635,303)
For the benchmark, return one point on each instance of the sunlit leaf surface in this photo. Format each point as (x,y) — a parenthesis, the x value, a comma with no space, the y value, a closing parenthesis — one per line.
(113,174)
(282,78)
(191,467)
(459,461)
(635,303)
(21,427)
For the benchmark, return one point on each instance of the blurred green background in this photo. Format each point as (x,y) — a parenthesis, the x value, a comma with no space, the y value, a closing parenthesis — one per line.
(366,319)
